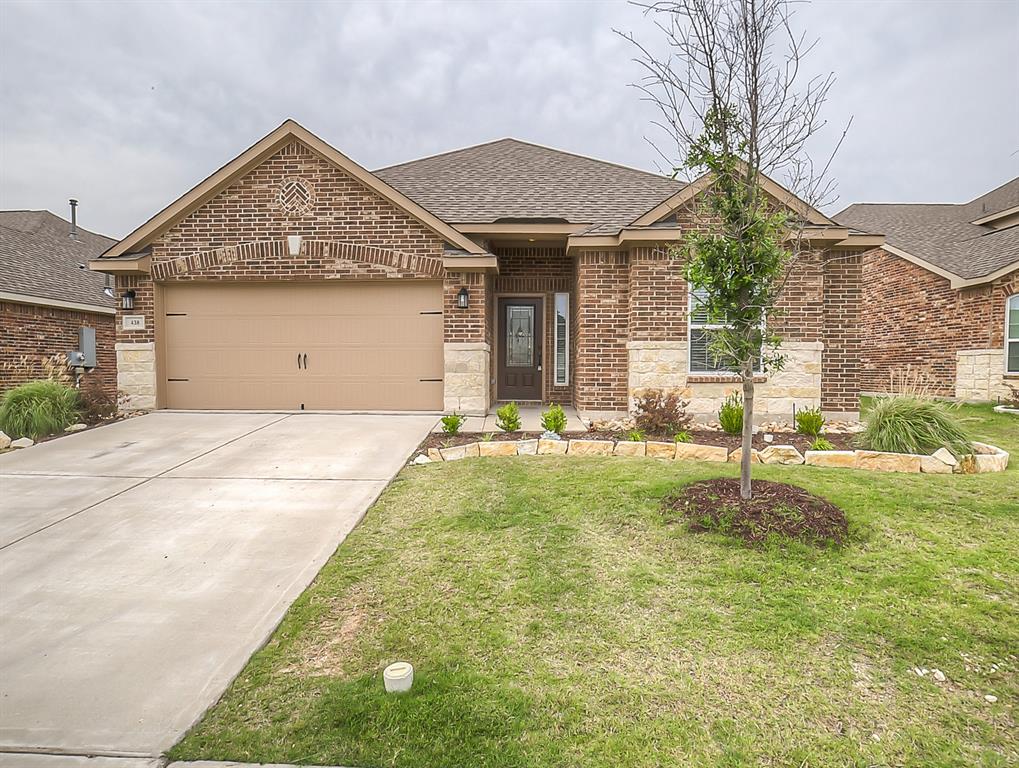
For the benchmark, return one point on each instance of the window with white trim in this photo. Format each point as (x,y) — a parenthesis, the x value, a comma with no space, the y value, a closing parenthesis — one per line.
(700,333)
(1012,334)
(561,339)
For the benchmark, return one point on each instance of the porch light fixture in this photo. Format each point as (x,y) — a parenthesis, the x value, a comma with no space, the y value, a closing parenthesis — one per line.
(294,245)
(463,299)
(127,300)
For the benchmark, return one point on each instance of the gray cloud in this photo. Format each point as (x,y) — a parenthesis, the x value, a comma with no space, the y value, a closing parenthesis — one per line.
(126,106)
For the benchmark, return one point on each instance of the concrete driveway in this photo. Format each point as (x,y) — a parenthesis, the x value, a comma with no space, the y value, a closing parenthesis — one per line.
(143,562)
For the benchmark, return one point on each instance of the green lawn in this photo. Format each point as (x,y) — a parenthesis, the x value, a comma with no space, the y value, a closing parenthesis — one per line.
(554,618)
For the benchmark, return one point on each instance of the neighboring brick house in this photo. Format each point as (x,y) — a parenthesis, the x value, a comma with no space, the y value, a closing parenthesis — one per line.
(48,294)
(294,278)
(942,295)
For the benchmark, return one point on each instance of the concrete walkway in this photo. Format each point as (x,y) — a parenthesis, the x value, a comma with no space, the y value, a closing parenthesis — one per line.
(530,420)
(143,562)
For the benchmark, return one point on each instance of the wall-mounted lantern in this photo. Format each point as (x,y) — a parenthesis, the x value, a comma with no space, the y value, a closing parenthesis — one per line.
(127,300)
(294,245)
(462,299)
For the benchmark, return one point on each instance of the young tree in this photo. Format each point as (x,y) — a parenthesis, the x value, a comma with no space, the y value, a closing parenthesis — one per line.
(727,96)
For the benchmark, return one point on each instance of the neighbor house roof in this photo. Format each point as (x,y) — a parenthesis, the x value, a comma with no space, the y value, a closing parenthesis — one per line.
(509,179)
(40,260)
(943,236)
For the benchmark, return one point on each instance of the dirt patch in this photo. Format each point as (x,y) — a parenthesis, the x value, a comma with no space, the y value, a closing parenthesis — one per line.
(330,646)
(775,509)
(699,436)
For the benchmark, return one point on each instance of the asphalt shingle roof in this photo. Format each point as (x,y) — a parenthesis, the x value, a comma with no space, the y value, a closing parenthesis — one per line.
(512,179)
(38,258)
(942,233)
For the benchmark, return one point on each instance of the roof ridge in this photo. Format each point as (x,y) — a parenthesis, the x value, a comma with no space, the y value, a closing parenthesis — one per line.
(992,191)
(545,147)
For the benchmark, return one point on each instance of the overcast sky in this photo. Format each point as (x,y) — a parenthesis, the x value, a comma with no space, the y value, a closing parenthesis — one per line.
(127,105)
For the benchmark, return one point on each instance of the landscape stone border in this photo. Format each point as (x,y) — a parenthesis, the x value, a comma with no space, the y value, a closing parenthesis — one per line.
(985,458)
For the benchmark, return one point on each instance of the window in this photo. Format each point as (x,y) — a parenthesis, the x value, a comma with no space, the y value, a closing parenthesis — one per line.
(701,332)
(1012,334)
(562,338)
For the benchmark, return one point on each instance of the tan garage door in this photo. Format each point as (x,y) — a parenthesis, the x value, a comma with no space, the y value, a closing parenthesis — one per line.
(344,346)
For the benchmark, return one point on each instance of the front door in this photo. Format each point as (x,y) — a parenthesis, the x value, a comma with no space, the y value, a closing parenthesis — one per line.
(519,349)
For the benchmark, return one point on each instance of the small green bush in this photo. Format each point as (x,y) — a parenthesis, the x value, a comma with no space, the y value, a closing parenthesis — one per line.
(730,415)
(636,436)
(809,422)
(684,437)
(905,424)
(508,417)
(554,419)
(452,422)
(821,444)
(38,408)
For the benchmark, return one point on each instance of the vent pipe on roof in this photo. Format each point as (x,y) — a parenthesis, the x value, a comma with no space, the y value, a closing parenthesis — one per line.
(74,217)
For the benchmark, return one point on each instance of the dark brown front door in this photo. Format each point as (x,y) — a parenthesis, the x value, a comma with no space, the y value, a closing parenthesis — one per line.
(519,349)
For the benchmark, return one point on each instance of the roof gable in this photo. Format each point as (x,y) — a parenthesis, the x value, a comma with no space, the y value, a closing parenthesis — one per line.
(509,179)
(288,132)
(779,193)
(39,259)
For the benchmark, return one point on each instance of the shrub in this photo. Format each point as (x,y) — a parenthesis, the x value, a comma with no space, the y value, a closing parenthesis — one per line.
(636,436)
(809,422)
(508,417)
(38,408)
(909,425)
(730,415)
(554,419)
(657,413)
(452,422)
(821,444)
(684,437)
(96,405)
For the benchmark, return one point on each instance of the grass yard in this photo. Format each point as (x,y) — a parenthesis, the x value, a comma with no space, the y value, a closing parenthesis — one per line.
(554,617)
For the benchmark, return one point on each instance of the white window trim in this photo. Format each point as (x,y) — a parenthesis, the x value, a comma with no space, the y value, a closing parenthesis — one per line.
(1012,340)
(555,341)
(691,326)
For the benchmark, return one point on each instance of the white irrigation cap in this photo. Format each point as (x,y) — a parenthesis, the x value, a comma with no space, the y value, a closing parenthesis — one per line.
(398,677)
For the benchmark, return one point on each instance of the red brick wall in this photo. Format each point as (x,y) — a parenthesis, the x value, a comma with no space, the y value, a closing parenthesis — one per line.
(914,317)
(800,315)
(545,271)
(602,323)
(30,333)
(658,295)
(842,331)
(465,325)
(349,232)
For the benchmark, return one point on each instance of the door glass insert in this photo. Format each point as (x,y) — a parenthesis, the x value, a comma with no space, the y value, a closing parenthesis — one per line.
(520,336)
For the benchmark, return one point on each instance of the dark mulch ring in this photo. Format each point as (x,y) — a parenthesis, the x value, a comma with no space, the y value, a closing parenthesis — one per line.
(700,436)
(775,509)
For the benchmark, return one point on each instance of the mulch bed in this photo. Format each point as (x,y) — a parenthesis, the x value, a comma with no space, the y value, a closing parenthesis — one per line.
(776,508)
(700,436)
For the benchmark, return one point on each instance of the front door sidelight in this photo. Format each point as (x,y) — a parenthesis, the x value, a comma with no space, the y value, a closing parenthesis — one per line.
(519,346)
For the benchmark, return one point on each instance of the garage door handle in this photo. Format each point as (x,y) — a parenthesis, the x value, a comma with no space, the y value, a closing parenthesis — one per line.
(298,360)
(305,361)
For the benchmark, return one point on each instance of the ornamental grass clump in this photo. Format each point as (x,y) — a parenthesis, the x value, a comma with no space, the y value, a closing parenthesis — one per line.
(809,422)
(38,408)
(910,425)
(730,415)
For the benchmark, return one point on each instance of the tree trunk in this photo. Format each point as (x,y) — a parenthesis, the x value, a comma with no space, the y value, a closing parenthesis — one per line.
(748,434)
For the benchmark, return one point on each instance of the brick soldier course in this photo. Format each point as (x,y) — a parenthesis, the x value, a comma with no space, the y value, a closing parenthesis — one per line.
(505,219)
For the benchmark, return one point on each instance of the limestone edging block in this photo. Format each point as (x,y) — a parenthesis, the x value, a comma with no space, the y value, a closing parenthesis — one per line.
(527,447)
(695,452)
(590,448)
(660,450)
(630,448)
(781,454)
(459,452)
(837,459)
(882,461)
(736,455)
(548,447)
(497,448)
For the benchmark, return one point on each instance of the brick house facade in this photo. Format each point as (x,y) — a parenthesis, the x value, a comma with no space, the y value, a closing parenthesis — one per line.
(532,283)
(46,298)
(936,296)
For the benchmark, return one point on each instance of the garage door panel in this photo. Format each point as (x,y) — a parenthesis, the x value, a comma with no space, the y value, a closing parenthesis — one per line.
(367,345)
